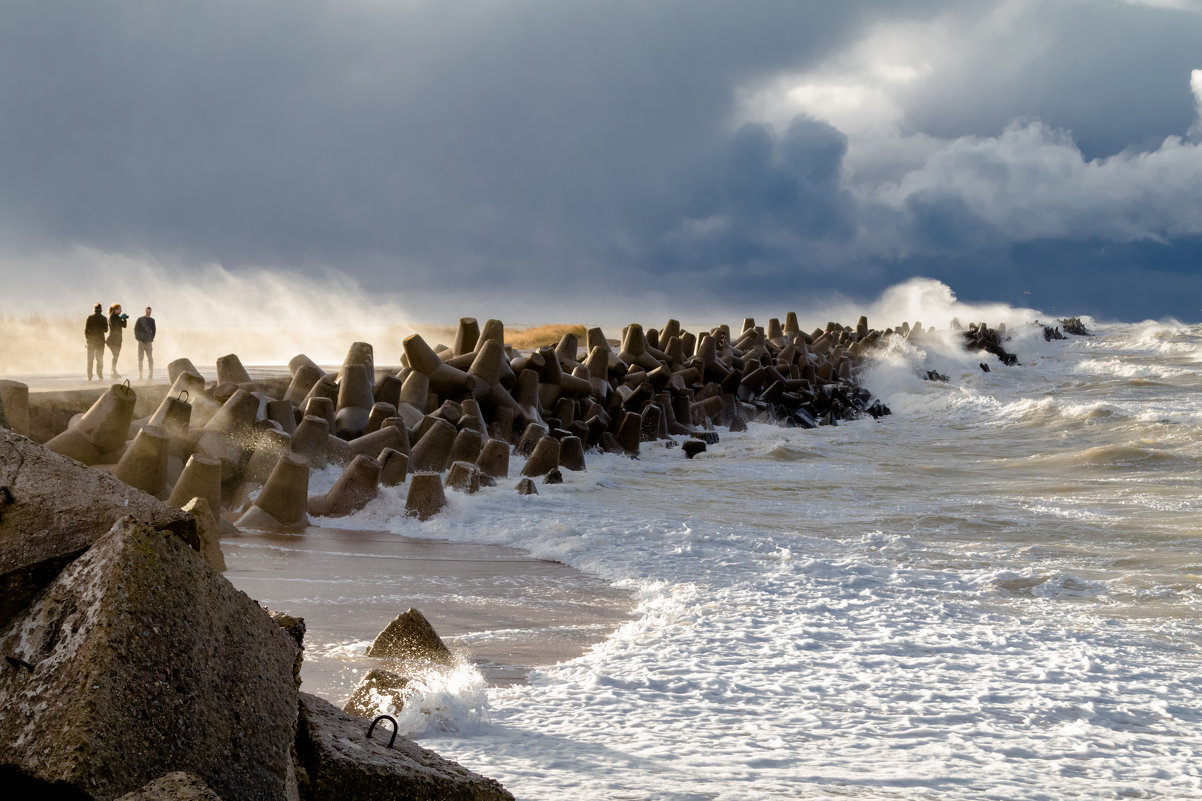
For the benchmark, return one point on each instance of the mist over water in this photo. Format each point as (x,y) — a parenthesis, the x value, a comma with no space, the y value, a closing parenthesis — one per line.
(268,315)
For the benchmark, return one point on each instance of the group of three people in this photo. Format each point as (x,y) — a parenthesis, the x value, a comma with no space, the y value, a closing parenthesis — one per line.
(99,331)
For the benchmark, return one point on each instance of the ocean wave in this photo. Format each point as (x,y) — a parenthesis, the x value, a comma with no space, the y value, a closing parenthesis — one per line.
(1101,456)
(791,453)
(1125,368)
(1047,585)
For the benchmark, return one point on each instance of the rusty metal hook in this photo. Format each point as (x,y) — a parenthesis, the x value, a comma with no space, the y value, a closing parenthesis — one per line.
(372,727)
(185,395)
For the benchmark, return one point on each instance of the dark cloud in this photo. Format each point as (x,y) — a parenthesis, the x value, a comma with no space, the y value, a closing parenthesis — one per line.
(420,146)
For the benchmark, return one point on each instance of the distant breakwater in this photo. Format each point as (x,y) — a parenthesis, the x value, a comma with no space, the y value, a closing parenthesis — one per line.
(451,417)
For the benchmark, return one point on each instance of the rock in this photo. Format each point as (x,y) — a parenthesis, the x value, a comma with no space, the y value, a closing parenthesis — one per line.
(410,636)
(1073,325)
(692,447)
(59,508)
(207,542)
(343,763)
(14,406)
(378,685)
(526,487)
(177,786)
(156,663)
(294,627)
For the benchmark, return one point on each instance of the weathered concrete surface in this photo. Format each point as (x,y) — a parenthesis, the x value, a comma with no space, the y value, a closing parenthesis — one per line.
(51,410)
(208,542)
(142,661)
(410,636)
(59,509)
(376,684)
(176,786)
(341,763)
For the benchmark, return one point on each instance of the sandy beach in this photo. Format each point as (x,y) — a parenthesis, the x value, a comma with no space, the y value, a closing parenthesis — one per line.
(497,607)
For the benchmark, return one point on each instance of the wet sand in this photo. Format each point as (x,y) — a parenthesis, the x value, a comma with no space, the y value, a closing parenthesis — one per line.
(502,609)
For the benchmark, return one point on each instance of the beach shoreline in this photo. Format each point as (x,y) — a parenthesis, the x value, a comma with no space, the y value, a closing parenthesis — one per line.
(498,608)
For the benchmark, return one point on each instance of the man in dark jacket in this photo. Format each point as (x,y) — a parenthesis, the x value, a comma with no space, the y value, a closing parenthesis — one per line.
(144,332)
(93,333)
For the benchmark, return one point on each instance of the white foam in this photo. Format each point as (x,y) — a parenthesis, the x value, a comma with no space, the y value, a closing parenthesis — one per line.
(957,602)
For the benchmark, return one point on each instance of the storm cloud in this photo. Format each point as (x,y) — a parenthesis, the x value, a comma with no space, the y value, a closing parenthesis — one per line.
(537,155)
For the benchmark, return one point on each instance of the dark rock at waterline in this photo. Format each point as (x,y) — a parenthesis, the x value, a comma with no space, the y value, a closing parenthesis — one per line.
(984,367)
(1073,325)
(1051,332)
(58,509)
(982,337)
(692,447)
(139,656)
(935,375)
(341,762)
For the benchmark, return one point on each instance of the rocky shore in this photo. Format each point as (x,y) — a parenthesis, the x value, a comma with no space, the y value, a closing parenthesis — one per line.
(133,666)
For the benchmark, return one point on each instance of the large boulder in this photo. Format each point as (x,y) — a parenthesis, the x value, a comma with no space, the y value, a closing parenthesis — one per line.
(138,660)
(59,508)
(341,762)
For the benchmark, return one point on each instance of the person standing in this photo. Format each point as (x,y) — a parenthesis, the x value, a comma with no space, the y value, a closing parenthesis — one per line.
(117,321)
(144,331)
(93,333)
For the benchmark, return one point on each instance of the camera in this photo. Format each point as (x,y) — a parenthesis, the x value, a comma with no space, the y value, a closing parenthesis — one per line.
(124,316)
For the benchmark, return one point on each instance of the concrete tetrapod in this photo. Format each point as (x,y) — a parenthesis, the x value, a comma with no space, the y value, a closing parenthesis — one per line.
(466,447)
(571,454)
(357,485)
(284,499)
(311,440)
(494,459)
(231,371)
(544,459)
(144,463)
(370,444)
(282,413)
(228,434)
(201,478)
(173,416)
(431,451)
(354,402)
(180,366)
(102,429)
(394,466)
(380,411)
(426,497)
(303,379)
(14,400)
(464,476)
(444,379)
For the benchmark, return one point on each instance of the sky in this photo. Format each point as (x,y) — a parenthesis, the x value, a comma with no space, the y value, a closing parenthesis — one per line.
(610,160)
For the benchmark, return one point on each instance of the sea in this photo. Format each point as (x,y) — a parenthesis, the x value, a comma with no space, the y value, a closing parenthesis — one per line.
(993,593)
